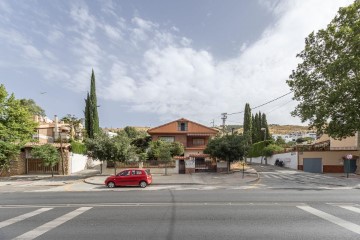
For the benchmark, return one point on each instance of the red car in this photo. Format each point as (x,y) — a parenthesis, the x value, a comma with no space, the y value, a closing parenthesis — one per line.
(130,177)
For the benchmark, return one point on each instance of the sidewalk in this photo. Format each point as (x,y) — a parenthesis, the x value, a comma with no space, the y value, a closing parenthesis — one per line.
(47,179)
(233,178)
(271,168)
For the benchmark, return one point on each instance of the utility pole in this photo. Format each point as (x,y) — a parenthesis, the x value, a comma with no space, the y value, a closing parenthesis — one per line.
(213,123)
(224,117)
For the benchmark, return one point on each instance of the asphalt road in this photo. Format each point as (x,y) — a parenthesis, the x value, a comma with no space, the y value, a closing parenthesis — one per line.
(189,214)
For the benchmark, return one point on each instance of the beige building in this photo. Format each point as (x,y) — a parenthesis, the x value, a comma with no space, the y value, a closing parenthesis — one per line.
(50,131)
(331,155)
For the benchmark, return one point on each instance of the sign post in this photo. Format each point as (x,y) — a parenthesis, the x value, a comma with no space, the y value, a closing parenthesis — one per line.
(348,157)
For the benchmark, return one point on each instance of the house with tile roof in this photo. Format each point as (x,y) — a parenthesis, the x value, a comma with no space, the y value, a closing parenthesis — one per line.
(194,137)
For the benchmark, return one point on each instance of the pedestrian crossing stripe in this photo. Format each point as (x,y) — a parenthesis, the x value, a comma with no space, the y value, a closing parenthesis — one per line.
(331,218)
(44,228)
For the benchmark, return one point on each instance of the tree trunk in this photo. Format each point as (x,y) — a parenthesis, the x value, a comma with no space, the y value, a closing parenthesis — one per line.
(101,165)
(52,172)
(115,168)
(166,169)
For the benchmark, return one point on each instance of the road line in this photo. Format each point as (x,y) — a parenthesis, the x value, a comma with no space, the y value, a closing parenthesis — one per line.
(328,217)
(52,224)
(22,217)
(274,176)
(351,208)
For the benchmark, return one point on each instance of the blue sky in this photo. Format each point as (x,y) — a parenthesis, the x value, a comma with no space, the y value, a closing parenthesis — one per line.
(156,61)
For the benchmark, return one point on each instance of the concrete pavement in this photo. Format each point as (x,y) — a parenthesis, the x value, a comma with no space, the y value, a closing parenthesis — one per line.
(233,178)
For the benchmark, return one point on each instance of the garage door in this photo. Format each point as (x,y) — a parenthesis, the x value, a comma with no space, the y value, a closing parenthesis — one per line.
(313,165)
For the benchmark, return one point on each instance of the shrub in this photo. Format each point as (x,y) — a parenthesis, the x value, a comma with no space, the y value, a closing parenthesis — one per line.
(78,148)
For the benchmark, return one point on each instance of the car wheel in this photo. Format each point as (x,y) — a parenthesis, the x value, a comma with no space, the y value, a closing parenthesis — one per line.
(111,184)
(143,184)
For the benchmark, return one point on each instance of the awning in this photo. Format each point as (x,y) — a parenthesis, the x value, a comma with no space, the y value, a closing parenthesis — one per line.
(199,155)
(200,134)
(181,158)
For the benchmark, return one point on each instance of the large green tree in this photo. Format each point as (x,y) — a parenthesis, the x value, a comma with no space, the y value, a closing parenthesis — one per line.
(91,112)
(227,147)
(16,127)
(165,151)
(33,108)
(327,81)
(48,153)
(105,148)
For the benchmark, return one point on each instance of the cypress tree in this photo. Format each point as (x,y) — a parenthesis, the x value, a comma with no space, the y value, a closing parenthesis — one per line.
(256,128)
(91,113)
(265,125)
(247,123)
(94,112)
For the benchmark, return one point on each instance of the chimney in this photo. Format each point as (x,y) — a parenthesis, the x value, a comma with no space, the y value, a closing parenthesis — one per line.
(56,128)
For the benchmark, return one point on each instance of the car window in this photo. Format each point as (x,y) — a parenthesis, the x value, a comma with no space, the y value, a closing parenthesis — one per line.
(125,173)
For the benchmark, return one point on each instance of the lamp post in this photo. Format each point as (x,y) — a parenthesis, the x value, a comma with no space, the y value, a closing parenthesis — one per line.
(264,129)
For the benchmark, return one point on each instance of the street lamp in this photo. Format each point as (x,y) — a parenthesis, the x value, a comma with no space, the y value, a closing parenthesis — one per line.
(264,129)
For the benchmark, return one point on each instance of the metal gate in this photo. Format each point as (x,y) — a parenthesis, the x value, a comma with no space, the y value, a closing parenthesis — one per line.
(181,167)
(313,165)
(204,166)
(37,166)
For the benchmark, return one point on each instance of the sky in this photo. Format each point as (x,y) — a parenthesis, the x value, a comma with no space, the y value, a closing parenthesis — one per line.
(158,61)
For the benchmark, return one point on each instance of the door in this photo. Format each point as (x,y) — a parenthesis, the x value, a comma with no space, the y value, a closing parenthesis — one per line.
(181,167)
(313,165)
(122,179)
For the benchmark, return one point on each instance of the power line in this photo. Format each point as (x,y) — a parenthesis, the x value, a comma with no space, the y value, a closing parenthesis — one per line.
(273,100)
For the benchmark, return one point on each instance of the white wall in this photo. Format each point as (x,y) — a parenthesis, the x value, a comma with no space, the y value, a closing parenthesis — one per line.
(80,162)
(290,159)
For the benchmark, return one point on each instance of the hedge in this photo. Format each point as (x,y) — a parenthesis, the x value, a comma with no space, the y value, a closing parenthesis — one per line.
(77,147)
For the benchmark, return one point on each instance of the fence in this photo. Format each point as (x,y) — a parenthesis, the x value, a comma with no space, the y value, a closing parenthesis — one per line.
(147,164)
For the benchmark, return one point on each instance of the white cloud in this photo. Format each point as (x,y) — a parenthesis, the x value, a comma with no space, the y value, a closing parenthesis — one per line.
(112,32)
(180,81)
(55,36)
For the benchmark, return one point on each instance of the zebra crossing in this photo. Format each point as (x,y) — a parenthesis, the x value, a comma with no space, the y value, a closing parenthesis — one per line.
(294,176)
(333,213)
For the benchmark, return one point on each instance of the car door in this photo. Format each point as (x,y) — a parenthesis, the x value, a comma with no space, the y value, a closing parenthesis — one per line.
(122,179)
(134,178)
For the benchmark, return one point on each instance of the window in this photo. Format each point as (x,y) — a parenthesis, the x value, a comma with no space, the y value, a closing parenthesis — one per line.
(137,172)
(125,173)
(182,126)
(167,138)
(198,141)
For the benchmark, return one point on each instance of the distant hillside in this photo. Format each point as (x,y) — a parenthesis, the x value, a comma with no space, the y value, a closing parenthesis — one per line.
(283,129)
(119,129)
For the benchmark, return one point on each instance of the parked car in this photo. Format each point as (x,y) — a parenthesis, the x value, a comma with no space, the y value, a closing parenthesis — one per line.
(130,177)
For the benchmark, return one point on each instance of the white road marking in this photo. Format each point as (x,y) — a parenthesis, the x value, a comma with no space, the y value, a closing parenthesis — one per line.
(22,217)
(274,176)
(351,208)
(52,224)
(328,217)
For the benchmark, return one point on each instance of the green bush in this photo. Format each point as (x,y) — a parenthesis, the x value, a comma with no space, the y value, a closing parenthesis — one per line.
(269,150)
(256,149)
(79,148)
